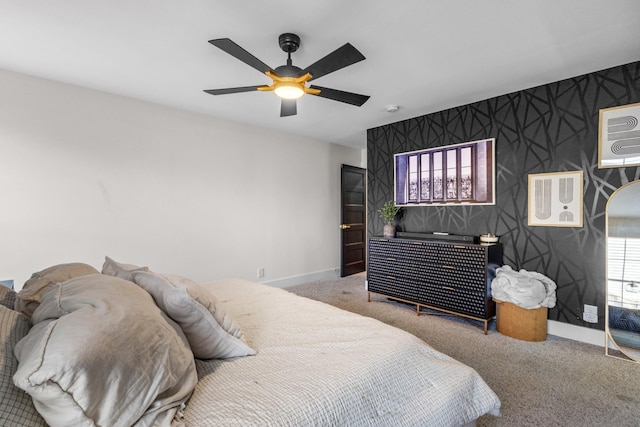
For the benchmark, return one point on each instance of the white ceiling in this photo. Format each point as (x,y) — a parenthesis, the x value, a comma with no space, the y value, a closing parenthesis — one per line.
(423,55)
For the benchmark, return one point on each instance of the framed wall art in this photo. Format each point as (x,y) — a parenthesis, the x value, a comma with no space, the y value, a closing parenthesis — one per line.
(555,199)
(619,137)
(458,174)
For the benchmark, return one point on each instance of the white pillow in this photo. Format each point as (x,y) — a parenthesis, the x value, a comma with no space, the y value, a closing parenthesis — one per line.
(102,353)
(118,269)
(211,332)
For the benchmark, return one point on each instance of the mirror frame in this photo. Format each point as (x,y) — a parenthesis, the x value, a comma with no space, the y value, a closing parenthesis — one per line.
(610,343)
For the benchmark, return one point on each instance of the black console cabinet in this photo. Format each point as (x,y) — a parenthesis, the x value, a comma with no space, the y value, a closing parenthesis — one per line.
(443,275)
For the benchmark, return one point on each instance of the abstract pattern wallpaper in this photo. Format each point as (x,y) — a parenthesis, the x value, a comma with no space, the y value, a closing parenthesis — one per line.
(550,128)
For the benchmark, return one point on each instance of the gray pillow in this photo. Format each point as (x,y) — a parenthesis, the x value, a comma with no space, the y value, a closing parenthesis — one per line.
(118,269)
(211,332)
(31,293)
(7,297)
(16,407)
(101,352)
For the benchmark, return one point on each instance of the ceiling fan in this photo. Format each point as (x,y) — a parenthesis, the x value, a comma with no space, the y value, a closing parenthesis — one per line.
(289,81)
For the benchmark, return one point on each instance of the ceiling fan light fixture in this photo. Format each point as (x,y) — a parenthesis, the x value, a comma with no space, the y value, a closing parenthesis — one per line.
(289,90)
(290,81)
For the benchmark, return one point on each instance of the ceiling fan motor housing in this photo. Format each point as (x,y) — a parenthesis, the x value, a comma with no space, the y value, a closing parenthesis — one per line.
(289,42)
(288,71)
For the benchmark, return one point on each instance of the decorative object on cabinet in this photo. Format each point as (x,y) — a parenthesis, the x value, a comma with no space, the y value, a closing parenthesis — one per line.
(555,199)
(619,136)
(450,277)
(459,174)
(388,212)
(622,323)
(489,238)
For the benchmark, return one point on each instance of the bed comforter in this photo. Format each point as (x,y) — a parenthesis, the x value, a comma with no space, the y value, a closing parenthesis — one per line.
(317,365)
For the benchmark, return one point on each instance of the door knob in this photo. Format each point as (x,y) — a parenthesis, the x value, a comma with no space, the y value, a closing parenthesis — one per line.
(344,226)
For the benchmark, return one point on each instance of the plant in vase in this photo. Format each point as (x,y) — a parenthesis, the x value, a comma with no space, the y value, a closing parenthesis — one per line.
(388,212)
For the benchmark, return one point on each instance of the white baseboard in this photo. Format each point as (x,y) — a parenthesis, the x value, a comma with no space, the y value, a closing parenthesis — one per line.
(286,282)
(576,333)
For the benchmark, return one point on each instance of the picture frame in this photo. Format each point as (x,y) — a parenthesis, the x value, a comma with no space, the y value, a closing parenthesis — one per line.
(619,136)
(555,199)
(449,175)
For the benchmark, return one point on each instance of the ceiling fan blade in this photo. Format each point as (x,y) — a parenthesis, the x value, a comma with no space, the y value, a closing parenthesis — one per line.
(233,90)
(236,51)
(339,58)
(342,96)
(288,108)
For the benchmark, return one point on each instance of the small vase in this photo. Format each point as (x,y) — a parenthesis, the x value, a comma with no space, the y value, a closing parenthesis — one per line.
(389,230)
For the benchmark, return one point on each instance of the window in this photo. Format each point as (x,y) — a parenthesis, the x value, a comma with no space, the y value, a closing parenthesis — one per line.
(425,177)
(437,177)
(461,173)
(466,175)
(413,178)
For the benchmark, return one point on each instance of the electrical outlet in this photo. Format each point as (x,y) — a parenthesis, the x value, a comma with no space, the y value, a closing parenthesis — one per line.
(260,273)
(590,313)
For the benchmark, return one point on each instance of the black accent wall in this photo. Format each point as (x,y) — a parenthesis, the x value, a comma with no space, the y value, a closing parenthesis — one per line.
(549,128)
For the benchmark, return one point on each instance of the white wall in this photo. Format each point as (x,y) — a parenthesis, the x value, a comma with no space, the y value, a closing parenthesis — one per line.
(87,174)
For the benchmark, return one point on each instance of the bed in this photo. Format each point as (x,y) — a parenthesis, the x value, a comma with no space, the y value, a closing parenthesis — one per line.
(277,360)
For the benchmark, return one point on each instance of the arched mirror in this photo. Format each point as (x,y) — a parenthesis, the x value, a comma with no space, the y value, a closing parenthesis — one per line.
(622,326)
